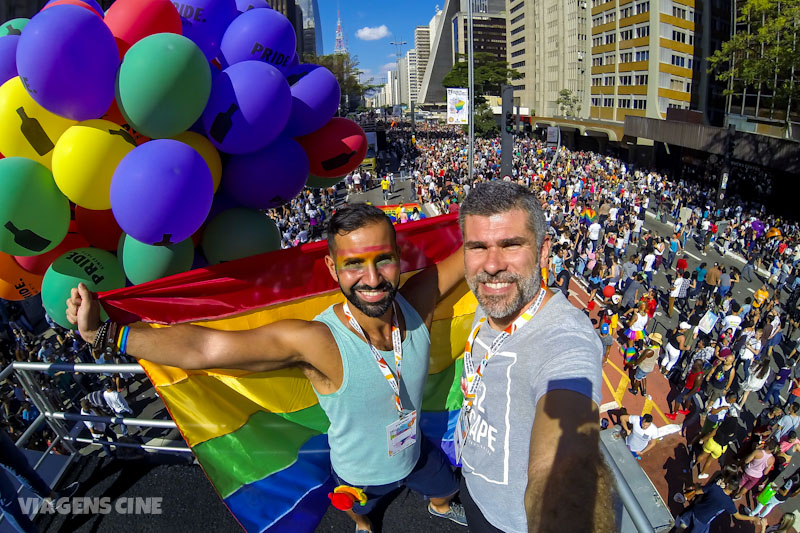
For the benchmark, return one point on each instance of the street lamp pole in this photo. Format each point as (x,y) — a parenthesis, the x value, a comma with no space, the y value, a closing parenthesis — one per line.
(471,83)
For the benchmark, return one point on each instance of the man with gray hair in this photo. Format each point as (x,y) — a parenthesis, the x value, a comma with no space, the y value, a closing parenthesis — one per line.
(531,380)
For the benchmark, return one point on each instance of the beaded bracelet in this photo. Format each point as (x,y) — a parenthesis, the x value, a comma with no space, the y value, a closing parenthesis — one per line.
(100,338)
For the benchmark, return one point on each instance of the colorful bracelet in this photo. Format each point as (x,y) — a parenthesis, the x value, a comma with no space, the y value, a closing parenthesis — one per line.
(123,339)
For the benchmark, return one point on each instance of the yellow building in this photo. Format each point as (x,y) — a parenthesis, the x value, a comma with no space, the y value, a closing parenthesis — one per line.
(641,57)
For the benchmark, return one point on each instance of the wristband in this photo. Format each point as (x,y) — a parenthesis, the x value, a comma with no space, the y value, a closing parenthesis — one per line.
(123,339)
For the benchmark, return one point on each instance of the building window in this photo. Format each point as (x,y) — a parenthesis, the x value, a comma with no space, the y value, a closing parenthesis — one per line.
(691,39)
(626,80)
(597,41)
(597,21)
(611,16)
(611,38)
(643,31)
(517,18)
(518,53)
(678,61)
(624,103)
(640,79)
(679,12)
(597,81)
(608,81)
(689,63)
(688,86)
(676,85)
(626,57)
(642,7)
(519,87)
(608,102)
(643,55)
(518,29)
(625,35)
(626,12)
(518,65)
(610,59)
(517,7)
(596,101)
(597,61)
(640,104)
(678,36)
(518,41)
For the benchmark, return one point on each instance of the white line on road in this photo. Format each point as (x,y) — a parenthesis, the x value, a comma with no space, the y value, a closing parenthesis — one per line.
(608,406)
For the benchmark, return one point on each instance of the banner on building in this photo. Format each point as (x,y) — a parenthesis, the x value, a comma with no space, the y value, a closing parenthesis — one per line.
(457,106)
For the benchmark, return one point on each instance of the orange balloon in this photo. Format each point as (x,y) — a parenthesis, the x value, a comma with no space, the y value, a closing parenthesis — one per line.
(15,283)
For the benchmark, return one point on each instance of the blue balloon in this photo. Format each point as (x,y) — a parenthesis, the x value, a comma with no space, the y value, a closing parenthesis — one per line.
(8,57)
(67,59)
(161,192)
(91,3)
(268,178)
(261,35)
(204,22)
(315,99)
(247,5)
(248,108)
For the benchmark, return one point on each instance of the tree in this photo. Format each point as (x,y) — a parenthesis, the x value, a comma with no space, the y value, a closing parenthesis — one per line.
(485,123)
(763,53)
(490,74)
(568,103)
(345,68)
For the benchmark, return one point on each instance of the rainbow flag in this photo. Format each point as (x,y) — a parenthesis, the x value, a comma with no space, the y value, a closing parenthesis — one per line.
(394,211)
(589,216)
(261,437)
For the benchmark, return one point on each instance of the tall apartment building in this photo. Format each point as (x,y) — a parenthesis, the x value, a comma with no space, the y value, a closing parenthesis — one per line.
(409,80)
(312,27)
(642,57)
(488,28)
(422,46)
(548,44)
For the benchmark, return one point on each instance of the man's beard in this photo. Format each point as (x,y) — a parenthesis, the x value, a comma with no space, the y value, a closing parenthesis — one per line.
(371,309)
(501,307)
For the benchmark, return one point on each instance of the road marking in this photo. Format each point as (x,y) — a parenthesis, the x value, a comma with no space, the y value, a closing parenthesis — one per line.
(751,290)
(690,254)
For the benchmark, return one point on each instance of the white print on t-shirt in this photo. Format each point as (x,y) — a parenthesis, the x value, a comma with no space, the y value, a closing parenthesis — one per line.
(490,439)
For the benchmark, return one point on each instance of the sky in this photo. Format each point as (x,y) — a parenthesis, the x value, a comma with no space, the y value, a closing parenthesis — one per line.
(369,27)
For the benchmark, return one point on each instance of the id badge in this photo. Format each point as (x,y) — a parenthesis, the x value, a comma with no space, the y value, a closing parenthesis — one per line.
(402,434)
(461,433)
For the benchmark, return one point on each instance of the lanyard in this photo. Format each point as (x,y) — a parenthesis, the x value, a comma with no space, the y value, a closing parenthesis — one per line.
(397,347)
(474,376)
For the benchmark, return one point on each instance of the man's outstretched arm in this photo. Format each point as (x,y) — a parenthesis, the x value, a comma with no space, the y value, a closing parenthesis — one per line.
(569,485)
(425,289)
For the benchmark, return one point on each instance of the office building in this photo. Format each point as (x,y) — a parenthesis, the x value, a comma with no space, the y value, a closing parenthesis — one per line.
(422,47)
(312,27)
(548,43)
(642,57)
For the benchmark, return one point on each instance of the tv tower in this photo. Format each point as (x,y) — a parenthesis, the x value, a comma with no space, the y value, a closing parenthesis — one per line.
(341,46)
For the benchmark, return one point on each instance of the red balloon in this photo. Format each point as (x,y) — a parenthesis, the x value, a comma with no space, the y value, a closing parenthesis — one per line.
(335,149)
(608,291)
(132,20)
(37,264)
(73,3)
(115,115)
(99,227)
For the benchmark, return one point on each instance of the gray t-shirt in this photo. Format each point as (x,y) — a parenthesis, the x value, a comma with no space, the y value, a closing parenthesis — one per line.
(557,349)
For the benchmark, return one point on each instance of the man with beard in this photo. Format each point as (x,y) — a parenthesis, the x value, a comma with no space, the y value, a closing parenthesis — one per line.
(528,431)
(367,360)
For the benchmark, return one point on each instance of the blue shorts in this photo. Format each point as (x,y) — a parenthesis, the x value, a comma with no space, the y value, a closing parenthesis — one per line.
(433,477)
(640,374)
(776,340)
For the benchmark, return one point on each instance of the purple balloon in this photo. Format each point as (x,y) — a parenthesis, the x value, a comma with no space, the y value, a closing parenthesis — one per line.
(67,59)
(248,108)
(247,5)
(222,202)
(92,3)
(268,178)
(261,35)
(161,192)
(8,57)
(204,22)
(315,99)
(294,62)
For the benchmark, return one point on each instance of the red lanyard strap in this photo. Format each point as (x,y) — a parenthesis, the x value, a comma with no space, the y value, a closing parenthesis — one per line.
(397,347)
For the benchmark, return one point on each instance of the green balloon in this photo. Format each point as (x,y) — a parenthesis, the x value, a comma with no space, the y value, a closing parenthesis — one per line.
(98,269)
(143,263)
(13,27)
(163,85)
(315,182)
(34,215)
(238,233)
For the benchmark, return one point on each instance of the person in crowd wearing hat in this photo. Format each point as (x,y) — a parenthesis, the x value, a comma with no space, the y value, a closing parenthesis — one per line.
(607,340)
(645,364)
(676,344)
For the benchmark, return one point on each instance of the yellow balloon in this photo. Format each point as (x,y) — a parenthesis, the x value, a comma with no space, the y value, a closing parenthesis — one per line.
(207,151)
(26,128)
(85,159)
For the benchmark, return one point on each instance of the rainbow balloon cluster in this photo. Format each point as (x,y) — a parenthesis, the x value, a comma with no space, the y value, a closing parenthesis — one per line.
(133,136)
